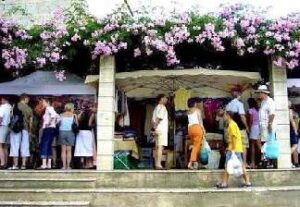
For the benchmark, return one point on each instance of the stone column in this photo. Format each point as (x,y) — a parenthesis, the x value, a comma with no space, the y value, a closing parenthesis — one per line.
(278,78)
(106,114)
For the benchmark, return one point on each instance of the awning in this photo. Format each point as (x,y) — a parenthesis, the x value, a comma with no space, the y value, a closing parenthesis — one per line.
(45,83)
(150,83)
(293,83)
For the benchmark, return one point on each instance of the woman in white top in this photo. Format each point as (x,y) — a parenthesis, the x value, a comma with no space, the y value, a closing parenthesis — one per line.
(49,131)
(195,130)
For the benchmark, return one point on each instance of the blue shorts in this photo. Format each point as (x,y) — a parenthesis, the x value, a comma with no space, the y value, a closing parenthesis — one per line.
(238,154)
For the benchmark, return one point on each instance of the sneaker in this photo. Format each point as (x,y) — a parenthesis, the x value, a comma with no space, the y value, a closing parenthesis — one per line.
(13,168)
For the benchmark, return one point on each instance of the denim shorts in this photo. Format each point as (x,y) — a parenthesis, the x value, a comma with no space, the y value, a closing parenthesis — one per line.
(66,138)
(238,154)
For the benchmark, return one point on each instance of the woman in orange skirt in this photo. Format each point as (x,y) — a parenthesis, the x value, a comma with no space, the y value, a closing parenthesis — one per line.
(195,130)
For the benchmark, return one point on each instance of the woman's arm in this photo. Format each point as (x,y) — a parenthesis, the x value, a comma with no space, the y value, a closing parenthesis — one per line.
(293,121)
(91,120)
(76,119)
(199,115)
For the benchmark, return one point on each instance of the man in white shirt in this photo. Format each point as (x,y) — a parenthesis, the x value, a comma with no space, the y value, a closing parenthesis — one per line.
(5,115)
(239,116)
(266,112)
(160,122)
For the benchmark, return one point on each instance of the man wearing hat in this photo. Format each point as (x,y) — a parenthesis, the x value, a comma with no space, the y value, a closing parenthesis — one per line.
(266,112)
(239,116)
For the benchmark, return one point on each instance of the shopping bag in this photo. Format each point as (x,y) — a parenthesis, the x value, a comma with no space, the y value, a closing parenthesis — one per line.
(234,166)
(205,151)
(271,149)
(298,149)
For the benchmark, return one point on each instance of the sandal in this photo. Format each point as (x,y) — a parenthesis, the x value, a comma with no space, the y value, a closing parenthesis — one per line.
(159,168)
(41,168)
(221,186)
(247,185)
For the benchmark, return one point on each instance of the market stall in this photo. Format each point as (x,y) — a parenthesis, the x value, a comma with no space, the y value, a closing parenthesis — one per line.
(44,84)
(141,87)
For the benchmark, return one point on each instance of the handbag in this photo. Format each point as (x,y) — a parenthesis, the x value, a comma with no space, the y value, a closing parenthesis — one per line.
(272,147)
(75,127)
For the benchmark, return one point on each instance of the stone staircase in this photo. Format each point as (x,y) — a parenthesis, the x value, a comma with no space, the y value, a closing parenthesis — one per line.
(272,188)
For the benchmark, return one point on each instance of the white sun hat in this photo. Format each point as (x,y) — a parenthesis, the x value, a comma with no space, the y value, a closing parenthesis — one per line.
(262,89)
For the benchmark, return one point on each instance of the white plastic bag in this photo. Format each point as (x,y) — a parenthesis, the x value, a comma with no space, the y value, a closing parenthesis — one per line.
(234,166)
(205,145)
(204,153)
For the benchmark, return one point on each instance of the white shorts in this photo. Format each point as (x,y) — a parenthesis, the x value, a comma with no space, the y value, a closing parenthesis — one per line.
(161,138)
(263,133)
(19,142)
(4,132)
(245,138)
(254,133)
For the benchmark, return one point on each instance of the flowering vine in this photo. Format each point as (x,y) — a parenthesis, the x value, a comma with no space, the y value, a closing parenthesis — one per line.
(236,27)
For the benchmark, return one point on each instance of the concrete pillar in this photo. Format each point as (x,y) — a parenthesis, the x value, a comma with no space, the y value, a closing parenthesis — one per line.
(278,78)
(106,114)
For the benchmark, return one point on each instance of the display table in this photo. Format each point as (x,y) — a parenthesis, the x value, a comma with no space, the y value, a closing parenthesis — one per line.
(127,145)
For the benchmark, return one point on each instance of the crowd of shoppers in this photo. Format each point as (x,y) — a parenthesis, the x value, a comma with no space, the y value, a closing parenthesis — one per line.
(72,131)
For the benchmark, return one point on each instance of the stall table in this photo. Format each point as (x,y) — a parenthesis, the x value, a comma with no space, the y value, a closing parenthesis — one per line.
(127,145)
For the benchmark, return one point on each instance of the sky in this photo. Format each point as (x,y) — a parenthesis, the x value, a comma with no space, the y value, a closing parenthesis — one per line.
(276,8)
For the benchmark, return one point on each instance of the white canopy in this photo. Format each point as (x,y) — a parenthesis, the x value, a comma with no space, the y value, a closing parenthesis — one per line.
(202,82)
(294,86)
(45,83)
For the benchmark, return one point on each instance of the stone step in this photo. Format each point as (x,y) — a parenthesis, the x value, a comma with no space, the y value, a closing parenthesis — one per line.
(141,178)
(47,182)
(45,203)
(285,196)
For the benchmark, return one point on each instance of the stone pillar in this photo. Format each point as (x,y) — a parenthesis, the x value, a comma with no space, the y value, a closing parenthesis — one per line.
(106,114)
(278,78)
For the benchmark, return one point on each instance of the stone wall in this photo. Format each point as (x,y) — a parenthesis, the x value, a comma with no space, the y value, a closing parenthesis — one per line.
(278,79)
(28,12)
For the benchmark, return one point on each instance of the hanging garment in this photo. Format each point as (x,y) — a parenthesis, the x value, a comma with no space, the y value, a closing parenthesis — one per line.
(181,98)
(126,112)
(149,110)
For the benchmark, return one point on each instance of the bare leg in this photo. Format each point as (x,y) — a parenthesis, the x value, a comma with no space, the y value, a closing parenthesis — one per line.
(89,162)
(64,156)
(16,160)
(295,154)
(69,156)
(24,159)
(54,155)
(295,157)
(5,149)
(245,156)
(2,159)
(252,147)
(224,178)
(159,156)
(245,176)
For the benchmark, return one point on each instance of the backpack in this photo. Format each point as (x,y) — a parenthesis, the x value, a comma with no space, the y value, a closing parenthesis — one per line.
(17,122)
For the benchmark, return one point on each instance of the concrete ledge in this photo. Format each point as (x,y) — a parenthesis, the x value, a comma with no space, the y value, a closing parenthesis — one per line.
(44,203)
(153,190)
(141,179)
(176,197)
